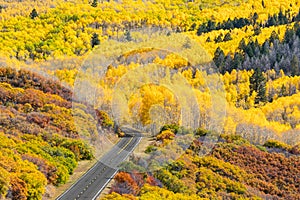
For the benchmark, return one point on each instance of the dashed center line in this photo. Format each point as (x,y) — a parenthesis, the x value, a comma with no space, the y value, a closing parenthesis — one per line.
(125,145)
(102,170)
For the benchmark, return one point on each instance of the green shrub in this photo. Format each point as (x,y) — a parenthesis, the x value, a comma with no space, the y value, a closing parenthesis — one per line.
(104,119)
(277,144)
(201,132)
(262,148)
(150,149)
(236,139)
(172,127)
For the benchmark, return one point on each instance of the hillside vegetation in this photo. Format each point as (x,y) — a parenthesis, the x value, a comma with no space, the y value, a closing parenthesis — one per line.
(254,45)
(234,169)
(40,144)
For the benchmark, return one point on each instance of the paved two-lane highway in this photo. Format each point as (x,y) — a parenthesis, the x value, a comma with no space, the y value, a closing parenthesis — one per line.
(90,185)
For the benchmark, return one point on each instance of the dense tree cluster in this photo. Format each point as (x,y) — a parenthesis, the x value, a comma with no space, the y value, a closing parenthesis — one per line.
(273,20)
(234,169)
(68,28)
(273,173)
(225,25)
(280,18)
(26,79)
(272,54)
(132,183)
(40,144)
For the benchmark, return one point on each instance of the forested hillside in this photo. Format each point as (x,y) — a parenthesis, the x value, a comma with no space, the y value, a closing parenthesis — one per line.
(234,169)
(45,129)
(39,141)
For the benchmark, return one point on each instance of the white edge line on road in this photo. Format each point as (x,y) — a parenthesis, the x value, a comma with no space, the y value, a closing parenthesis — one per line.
(98,193)
(86,173)
(129,152)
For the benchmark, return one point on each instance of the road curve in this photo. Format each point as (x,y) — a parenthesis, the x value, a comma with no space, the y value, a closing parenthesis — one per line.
(90,185)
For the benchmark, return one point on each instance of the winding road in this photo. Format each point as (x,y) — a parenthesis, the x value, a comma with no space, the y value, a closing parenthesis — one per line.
(91,184)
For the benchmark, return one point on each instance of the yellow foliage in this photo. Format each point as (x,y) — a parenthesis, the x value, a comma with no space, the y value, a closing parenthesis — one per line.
(237,34)
(156,95)
(230,126)
(152,192)
(173,61)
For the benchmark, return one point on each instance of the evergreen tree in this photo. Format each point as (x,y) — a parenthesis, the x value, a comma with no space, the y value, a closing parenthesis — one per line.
(219,57)
(208,39)
(237,61)
(297,29)
(257,30)
(258,84)
(202,29)
(229,24)
(282,19)
(211,25)
(271,21)
(219,38)
(254,18)
(265,48)
(289,37)
(193,27)
(295,66)
(242,45)
(128,36)
(297,18)
(95,40)
(239,23)
(95,3)
(33,14)
(227,37)
(250,49)
(274,36)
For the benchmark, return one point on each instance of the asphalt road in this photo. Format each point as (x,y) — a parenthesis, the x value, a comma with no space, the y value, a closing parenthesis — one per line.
(90,185)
